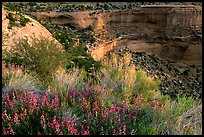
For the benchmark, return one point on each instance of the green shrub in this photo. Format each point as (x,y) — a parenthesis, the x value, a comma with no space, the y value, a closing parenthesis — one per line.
(42,57)
(12,7)
(81,59)
(23,20)
(17,17)
(11,17)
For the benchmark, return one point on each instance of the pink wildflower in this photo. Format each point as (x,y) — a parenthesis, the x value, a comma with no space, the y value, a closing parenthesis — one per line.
(87,87)
(44,99)
(60,133)
(129,115)
(57,127)
(71,94)
(84,101)
(125,103)
(10,103)
(86,132)
(96,108)
(25,112)
(119,122)
(123,110)
(160,105)
(9,124)
(70,128)
(113,107)
(4,131)
(79,93)
(54,119)
(74,103)
(48,123)
(115,132)
(123,127)
(74,131)
(4,115)
(136,104)
(118,110)
(140,100)
(13,93)
(89,106)
(67,120)
(39,133)
(11,131)
(34,101)
(3,64)
(135,112)
(16,119)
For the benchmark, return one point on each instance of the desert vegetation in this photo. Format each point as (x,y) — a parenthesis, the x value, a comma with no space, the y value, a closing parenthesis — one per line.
(118,95)
(52,90)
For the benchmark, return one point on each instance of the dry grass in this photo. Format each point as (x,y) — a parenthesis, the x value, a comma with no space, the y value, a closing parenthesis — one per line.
(122,81)
(64,81)
(15,79)
(190,122)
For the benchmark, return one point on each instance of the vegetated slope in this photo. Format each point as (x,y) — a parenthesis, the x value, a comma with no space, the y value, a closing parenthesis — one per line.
(31,28)
(76,54)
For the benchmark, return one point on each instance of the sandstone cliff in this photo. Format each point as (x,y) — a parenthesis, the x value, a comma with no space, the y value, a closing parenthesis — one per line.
(171,20)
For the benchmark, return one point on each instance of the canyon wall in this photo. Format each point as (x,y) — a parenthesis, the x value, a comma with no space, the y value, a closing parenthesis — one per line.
(171,20)
(154,20)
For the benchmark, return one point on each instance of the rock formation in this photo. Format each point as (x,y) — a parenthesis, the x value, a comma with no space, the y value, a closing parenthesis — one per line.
(31,29)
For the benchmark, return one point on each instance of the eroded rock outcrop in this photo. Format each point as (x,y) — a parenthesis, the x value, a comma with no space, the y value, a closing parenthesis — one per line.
(32,28)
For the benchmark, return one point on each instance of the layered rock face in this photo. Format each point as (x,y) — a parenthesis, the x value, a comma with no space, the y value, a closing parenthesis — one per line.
(171,20)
